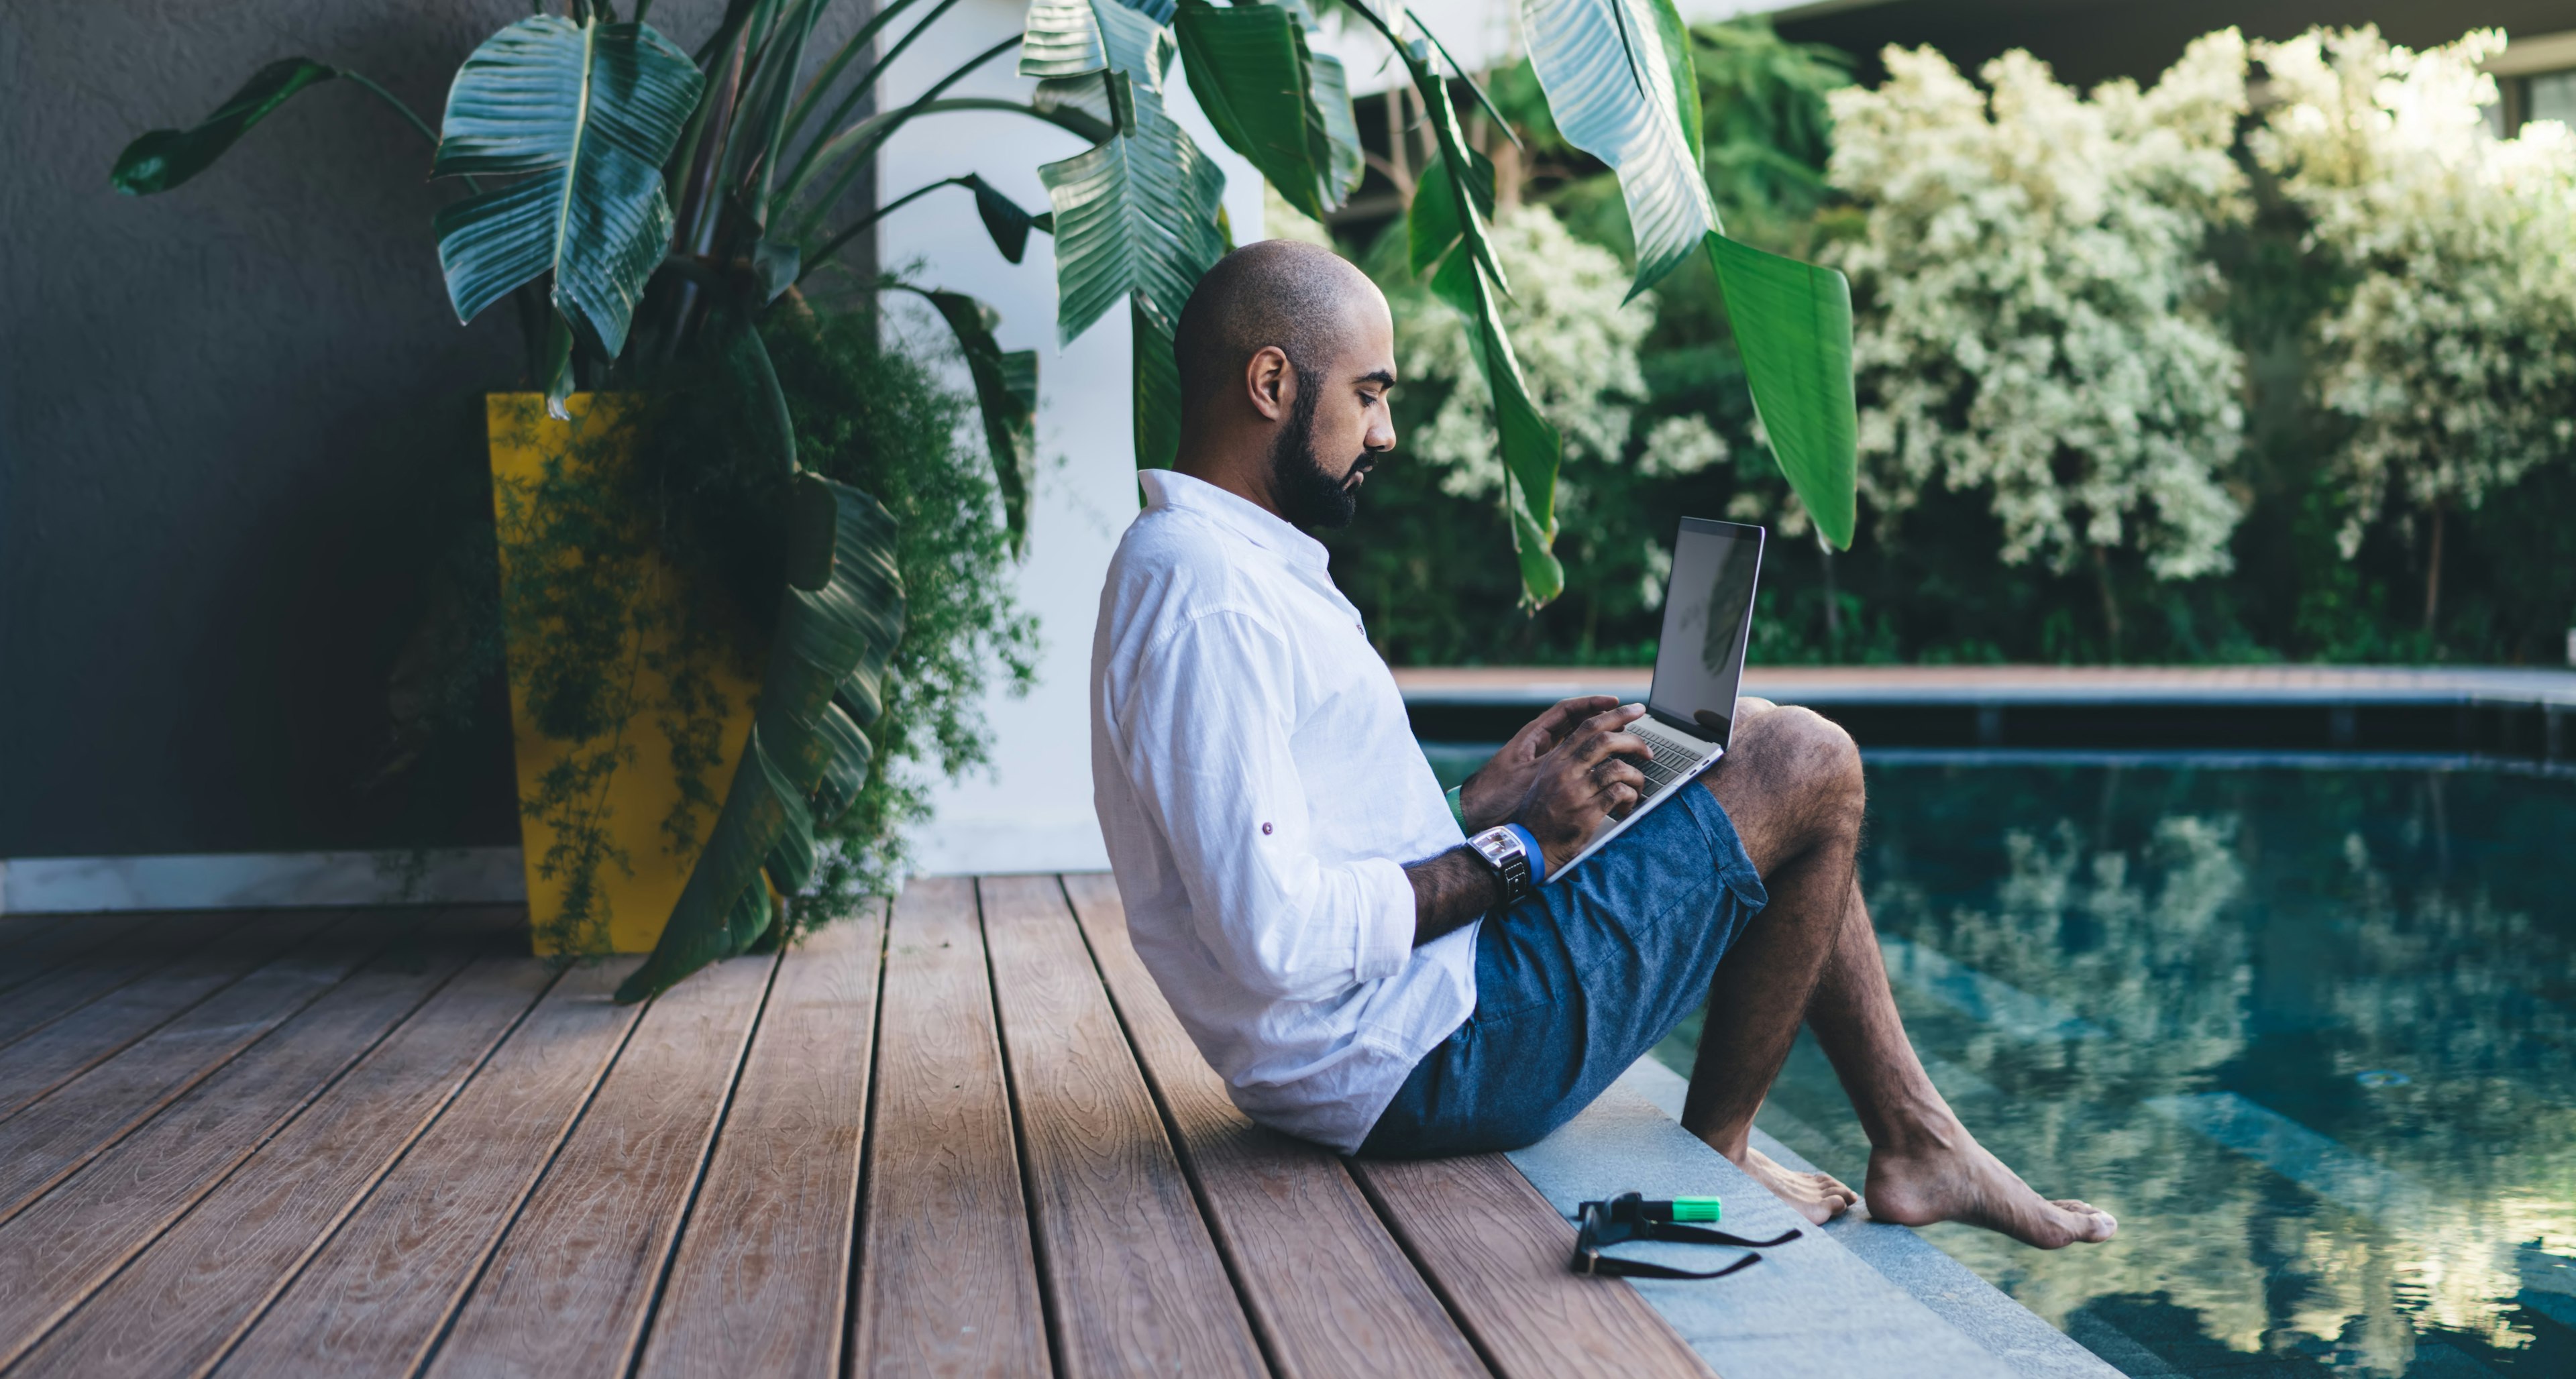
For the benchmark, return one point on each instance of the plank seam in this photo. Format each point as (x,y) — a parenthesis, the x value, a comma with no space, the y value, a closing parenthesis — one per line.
(231,924)
(1057,1340)
(638,1343)
(492,1247)
(1260,1324)
(367,1190)
(1413,1255)
(118,1136)
(81,947)
(845,1359)
(15,1351)
(157,1026)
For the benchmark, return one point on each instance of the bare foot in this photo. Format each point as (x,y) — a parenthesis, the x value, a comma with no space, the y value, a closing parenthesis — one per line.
(1961,1181)
(1819,1197)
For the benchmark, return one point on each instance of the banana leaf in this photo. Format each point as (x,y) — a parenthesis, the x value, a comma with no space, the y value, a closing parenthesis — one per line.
(1793,325)
(590,112)
(1255,80)
(1006,392)
(1447,225)
(163,158)
(808,752)
(1136,215)
(1614,87)
(1158,392)
(1620,83)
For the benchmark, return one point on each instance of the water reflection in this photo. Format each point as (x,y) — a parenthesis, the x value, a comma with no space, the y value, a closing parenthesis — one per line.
(2307,1033)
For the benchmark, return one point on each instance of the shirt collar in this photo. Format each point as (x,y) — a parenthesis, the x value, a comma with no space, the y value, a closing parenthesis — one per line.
(1170,488)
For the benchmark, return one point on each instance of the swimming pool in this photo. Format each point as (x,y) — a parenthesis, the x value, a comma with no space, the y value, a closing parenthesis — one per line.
(2309,1033)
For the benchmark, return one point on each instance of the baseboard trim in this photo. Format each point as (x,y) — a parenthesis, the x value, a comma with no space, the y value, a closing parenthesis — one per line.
(260,880)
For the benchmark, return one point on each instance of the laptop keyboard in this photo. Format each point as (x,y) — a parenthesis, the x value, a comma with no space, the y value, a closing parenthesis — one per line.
(1670,762)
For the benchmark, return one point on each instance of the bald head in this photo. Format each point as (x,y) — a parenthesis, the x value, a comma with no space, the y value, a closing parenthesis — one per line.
(1286,354)
(1305,301)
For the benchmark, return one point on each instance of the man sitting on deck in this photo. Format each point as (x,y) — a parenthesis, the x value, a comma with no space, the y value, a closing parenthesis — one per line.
(1303,895)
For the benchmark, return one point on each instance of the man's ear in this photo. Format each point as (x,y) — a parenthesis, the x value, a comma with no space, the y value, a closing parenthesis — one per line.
(1270,383)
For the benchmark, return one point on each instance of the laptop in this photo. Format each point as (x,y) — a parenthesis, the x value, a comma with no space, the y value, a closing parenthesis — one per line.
(1690,708)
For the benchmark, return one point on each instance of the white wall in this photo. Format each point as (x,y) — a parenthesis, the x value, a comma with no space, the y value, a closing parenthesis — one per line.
(1034,812)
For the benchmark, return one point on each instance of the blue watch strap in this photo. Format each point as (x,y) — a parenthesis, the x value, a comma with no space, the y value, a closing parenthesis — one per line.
(1537,859)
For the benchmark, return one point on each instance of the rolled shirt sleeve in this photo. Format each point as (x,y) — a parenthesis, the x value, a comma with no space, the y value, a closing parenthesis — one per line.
(1208,745)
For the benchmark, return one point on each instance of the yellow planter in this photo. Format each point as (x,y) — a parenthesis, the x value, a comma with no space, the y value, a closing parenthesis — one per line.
(603,869)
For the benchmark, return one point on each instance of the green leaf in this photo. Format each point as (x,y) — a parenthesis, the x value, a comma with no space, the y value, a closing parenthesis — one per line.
(1530,444)
(1134,217)
(1793,326)
(164,158)
(1157,394)
(805,756)
(1331,89)
(1431,226)
(1472,283)
(1006,392)
(1254,79)
(590,112)
(1611,81)
(1004,220)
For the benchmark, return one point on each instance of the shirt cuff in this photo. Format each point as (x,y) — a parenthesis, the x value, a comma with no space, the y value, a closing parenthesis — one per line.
(1386,920)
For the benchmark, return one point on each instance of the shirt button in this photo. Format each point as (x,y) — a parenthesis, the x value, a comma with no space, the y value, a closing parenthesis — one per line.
(1265,828)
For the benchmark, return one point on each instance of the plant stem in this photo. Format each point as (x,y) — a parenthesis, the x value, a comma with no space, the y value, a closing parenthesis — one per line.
(849,51)
(861,140)
(2433,577)
(2110,602)
(859,90)
(860,226)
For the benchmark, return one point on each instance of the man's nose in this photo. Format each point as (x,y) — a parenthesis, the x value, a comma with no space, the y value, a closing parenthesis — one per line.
(1381,436)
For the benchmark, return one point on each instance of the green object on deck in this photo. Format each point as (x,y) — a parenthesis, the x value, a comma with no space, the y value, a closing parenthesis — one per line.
(1690,1208)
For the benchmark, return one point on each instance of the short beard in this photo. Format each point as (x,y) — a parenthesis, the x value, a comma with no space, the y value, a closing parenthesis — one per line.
(1308,495)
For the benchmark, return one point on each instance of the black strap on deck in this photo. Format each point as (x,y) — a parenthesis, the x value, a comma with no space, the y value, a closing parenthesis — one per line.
(1629,1216)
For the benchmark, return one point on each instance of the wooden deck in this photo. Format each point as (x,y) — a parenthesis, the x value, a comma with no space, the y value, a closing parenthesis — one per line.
(962,1137)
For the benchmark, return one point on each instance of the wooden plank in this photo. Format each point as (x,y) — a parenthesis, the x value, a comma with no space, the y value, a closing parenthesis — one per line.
(1497,1253)
(90,1113)
(91,1035)
(54,1253)
(34,946)
(175,1308)
(1135,1280)
(373,1298)
(762,1277)
(947,1275)
(572,1284)
(1330,1290)
(152,942)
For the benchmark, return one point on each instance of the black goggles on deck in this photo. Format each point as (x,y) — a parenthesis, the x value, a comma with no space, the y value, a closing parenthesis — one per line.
(1631,1216)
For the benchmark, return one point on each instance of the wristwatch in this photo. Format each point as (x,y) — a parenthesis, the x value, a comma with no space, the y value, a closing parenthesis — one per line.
(1504,851)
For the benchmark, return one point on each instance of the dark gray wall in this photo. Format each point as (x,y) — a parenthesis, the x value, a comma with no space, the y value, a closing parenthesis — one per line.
(233,421)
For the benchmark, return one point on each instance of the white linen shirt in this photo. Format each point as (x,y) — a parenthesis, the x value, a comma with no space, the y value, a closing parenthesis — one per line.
(1261,793)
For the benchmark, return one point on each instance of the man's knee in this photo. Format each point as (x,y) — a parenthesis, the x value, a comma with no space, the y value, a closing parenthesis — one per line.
(1801,755)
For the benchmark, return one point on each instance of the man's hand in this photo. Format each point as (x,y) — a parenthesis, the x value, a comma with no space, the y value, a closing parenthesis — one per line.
(1582,781)
(1496,791)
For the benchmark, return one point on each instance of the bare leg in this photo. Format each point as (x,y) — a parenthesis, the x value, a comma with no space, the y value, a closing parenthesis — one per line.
(1924,1166)
(1792,787)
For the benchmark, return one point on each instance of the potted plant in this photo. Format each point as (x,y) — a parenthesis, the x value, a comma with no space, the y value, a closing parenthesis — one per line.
(628,201)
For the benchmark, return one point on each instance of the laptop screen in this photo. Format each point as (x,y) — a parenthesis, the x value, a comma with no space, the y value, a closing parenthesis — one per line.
(1708,609)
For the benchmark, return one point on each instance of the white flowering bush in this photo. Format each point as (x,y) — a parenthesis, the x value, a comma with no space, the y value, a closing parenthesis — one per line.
(1577,337)
(2454,355)
(2037,316)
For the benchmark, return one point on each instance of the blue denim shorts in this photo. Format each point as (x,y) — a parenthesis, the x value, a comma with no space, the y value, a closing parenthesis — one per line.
(1578,981)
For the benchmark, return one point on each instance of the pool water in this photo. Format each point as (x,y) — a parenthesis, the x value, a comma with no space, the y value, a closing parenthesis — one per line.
(2310,1035)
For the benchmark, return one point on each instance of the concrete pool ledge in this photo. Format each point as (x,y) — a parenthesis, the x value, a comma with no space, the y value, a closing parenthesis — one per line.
(1855,1298)
(2509,713)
